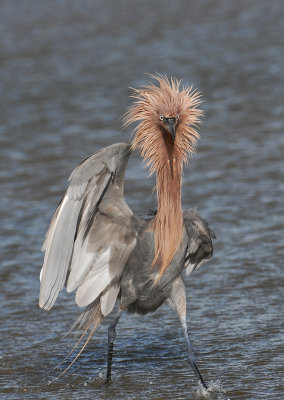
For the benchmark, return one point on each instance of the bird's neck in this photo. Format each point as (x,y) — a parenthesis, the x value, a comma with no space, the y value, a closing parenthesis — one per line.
(168,223)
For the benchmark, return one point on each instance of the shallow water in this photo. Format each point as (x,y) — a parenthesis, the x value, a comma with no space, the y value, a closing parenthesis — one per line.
(64,78)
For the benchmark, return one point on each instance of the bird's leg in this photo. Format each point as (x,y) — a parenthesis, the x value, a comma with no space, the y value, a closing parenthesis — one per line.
(190,354)
(178,301)
(111,337)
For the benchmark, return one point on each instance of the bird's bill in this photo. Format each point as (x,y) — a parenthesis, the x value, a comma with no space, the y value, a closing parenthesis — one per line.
(172,129)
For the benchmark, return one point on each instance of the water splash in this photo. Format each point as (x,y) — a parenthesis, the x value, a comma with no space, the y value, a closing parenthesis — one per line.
(214,391)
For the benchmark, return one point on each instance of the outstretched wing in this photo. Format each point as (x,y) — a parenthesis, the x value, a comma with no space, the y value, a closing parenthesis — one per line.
(200,235)
(91,234)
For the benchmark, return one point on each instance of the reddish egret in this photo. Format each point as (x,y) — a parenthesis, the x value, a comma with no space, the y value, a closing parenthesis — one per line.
(98,247)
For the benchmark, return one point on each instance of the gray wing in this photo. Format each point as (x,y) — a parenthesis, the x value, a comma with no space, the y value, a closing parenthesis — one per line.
(200,235)
(91,234)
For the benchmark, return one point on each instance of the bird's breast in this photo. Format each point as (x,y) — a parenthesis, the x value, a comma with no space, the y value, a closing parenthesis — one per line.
(141,291)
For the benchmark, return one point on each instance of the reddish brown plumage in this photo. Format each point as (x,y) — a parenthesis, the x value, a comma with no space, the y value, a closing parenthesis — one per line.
(164,155)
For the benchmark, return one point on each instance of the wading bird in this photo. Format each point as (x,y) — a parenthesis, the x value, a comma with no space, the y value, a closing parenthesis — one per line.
(98,247)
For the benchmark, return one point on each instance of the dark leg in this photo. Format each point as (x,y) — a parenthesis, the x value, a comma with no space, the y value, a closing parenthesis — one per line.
(178,300)
(190,354)
(111,337)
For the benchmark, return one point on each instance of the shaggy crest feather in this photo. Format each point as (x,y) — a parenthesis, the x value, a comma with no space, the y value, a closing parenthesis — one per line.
(163,155)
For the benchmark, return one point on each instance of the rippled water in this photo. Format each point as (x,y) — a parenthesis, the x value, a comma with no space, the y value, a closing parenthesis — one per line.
(65,69)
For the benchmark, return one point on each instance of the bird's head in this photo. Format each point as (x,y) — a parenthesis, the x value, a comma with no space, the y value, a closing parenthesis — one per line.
(169,124)
(167,116)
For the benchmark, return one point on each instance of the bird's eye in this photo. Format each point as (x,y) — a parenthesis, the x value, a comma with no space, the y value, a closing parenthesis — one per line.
(161,117)
(177,117)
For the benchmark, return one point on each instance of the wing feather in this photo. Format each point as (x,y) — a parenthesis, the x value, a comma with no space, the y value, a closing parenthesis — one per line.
(58,251)
(199,247)
(72,254)
(89,290)
(108,298)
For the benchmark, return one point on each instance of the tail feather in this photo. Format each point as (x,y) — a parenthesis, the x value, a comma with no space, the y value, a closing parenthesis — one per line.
(88,321)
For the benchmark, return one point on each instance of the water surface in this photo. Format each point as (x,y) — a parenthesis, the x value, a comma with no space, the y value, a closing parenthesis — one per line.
(64,77)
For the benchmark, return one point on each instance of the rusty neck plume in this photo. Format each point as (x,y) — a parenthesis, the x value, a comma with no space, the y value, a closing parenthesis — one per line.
(164,155)
(168,222)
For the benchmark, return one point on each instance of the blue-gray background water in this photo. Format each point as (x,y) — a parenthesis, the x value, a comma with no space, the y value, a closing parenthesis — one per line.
(65,70)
